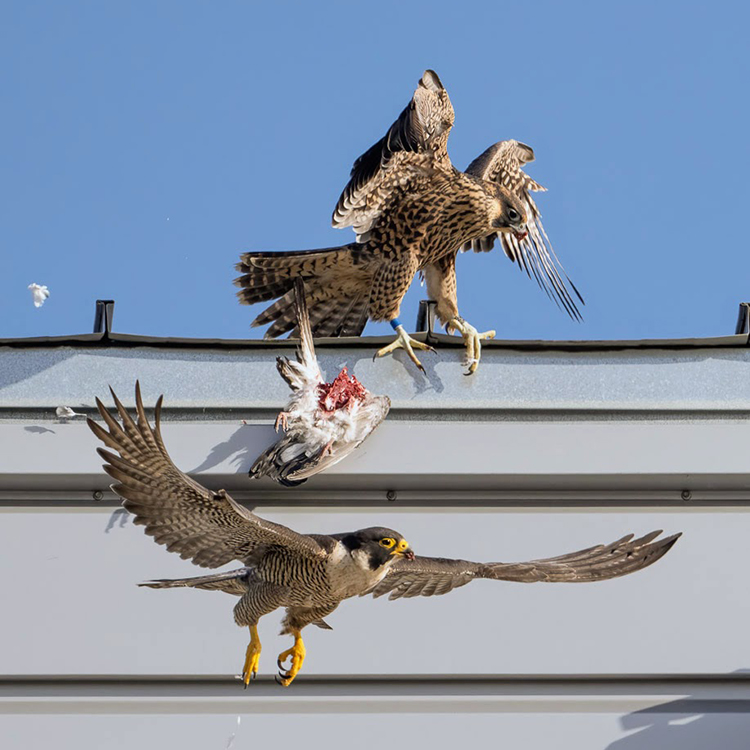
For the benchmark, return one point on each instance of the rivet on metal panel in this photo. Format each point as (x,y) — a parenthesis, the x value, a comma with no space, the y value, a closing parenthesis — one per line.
(686,495)
(97,495)
(390,496)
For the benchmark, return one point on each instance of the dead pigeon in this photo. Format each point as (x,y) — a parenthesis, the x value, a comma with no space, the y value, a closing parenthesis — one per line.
(323,422)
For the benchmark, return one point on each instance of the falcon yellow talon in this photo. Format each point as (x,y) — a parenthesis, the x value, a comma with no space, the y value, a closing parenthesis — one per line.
(252,657)
(408,344)
(472,340)
(297,653)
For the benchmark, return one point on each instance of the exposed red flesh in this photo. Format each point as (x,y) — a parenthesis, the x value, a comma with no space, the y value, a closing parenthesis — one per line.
(344,391)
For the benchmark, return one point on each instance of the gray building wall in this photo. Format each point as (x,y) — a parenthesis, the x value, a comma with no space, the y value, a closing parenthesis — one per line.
(544,451)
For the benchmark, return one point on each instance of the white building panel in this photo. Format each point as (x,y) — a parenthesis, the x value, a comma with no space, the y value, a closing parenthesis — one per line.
(547,450)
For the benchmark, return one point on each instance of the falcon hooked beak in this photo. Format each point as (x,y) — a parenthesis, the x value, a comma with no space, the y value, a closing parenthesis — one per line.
(518,225)
(403,550)
(512,222)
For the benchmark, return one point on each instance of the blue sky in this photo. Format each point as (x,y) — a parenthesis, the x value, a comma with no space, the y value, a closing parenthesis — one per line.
(147,144)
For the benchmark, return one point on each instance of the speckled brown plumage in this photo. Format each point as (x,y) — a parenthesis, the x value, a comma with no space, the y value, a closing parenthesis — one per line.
(409,207)
(417,140)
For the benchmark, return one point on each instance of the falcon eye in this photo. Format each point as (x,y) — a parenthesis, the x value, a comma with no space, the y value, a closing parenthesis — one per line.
(513,215)
(387,542)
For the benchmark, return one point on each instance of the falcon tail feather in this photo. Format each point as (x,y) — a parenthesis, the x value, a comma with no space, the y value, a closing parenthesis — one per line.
(231,582)
(337,284)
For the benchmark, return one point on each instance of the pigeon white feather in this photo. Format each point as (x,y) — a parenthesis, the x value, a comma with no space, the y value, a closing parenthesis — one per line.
(65,412)
(39,294)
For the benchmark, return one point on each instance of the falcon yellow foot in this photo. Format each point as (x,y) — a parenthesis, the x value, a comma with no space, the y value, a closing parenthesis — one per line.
(404,341)
(252,656)
(297,653)
(472,339)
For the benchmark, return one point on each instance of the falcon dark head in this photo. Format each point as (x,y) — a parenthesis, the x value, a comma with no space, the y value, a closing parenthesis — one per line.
(511,214)
(378,546)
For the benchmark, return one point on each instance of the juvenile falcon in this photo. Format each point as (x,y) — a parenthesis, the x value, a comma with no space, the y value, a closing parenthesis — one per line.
(323,422)
(411,211)
(308,574)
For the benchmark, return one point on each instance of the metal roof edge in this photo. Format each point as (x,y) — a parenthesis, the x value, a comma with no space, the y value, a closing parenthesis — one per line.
(126,340)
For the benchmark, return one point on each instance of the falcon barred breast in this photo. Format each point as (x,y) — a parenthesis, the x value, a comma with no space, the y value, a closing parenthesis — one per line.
(308,574)
(411,210)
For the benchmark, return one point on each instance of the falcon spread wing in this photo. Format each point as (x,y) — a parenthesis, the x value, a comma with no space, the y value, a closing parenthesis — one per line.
(534,254)
(418,139)
(209,528)
(433,576)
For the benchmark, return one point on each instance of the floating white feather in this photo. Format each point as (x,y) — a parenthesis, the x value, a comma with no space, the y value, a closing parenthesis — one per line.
(39,294)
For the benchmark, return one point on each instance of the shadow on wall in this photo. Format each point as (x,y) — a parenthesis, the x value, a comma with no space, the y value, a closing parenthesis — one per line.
(38,429)
(244,445)
(118,519)
(689,724)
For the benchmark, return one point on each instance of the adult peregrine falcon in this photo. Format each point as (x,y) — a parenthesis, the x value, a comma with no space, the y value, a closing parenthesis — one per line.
(308,574)
(411,211)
